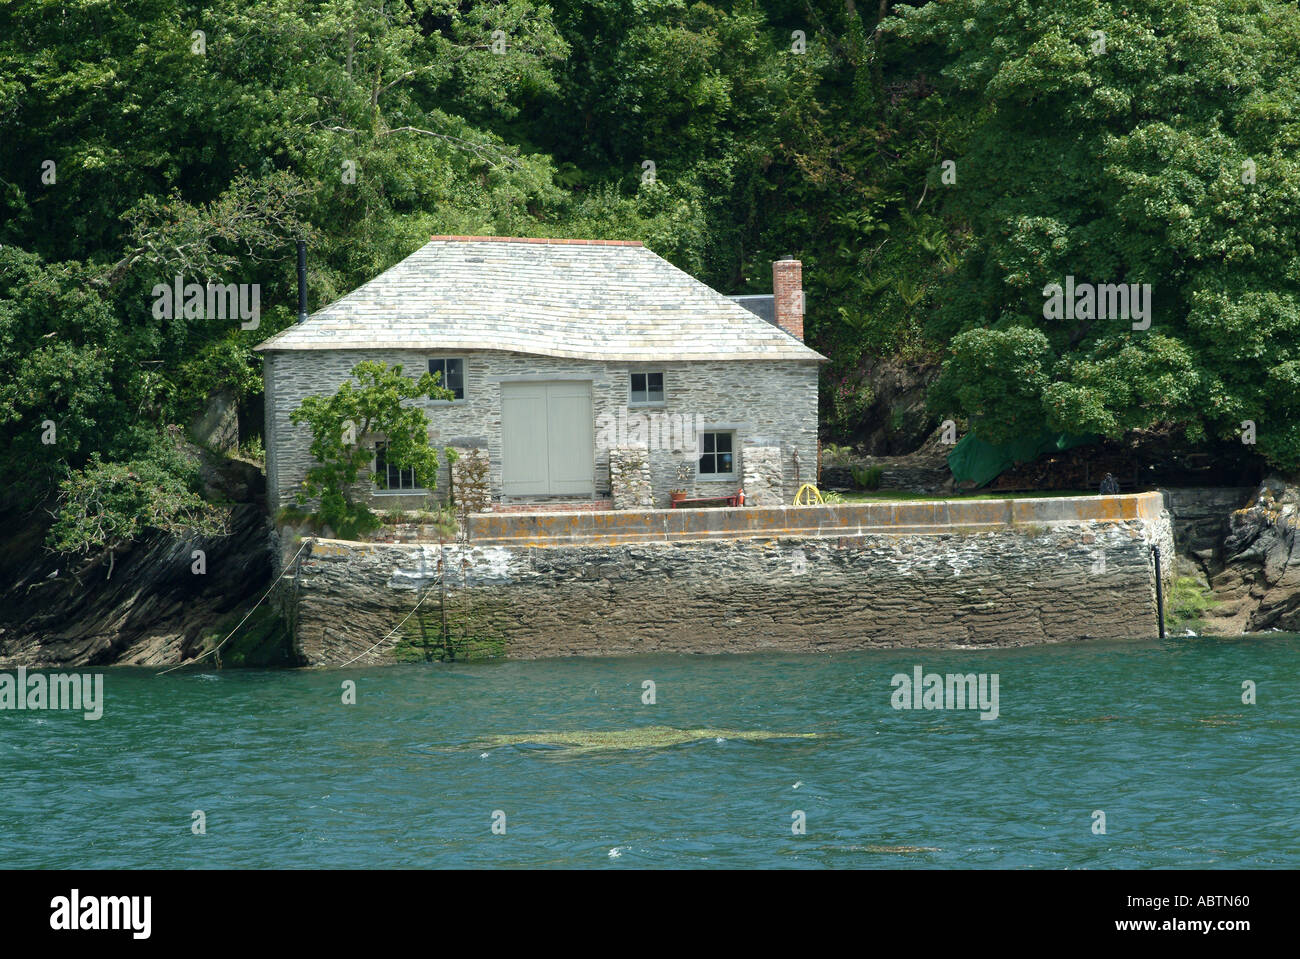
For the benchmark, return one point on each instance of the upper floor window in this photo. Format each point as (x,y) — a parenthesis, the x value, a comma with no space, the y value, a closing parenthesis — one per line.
(453,374)
(389,477)
(647,388)
(715,460)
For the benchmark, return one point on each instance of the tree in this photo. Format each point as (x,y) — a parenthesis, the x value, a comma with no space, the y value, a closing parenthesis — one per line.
(343,424)
(106,506)
(131,153)
(1137,143)
(85,350)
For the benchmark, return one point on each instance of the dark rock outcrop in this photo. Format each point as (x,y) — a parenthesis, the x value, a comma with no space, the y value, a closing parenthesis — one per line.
(1256,574)
(897,420)
(154,609)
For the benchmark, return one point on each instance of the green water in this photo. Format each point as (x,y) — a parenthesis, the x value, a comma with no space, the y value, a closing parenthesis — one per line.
(1153,734)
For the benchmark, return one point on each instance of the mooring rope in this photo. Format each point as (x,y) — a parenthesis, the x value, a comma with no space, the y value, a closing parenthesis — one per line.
(242,621)
(395,628)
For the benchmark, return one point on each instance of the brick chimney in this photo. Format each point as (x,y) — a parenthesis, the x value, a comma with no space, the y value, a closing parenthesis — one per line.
(787,295)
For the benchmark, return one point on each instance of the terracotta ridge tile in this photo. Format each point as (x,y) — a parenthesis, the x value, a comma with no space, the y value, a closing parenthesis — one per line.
(534,239)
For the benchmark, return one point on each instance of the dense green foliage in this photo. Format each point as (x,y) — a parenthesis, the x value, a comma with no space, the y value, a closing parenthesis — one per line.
(133,150)
(105,506)
(1146,142)
(342,424)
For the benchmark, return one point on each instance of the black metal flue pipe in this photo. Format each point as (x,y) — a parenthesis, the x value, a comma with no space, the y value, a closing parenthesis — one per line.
(1160,592)
(302,280)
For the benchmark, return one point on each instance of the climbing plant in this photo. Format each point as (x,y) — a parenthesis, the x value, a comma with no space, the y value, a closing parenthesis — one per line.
(343,428)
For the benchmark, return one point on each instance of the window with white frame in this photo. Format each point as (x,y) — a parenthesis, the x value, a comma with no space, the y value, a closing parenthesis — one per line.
(716,459)
(389,477)
(647,388)
(453,374)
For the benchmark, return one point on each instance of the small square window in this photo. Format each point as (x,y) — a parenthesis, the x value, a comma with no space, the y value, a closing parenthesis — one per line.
(716,456)
(452,370)
(647,388)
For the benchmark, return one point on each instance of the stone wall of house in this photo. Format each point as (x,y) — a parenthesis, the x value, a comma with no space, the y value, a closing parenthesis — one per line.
(952,587)
(764,485)
(771,403)
(629,477)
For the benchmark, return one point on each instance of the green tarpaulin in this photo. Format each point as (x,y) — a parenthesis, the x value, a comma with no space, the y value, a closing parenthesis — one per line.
(974,459)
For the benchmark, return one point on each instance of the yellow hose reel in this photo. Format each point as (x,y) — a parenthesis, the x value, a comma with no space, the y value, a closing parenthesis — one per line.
(808,495)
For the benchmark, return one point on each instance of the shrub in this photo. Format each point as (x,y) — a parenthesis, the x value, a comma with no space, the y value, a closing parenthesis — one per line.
(253,450)
(837,455)
(867,478)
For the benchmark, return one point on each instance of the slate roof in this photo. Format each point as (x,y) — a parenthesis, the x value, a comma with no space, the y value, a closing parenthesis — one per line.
(762,305)
(582,299)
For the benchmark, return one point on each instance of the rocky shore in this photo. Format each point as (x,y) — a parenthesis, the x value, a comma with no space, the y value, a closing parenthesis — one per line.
(154,609)
(1254,568)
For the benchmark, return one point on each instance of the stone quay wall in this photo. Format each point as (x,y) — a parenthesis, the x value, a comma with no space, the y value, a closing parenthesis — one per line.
(824,578)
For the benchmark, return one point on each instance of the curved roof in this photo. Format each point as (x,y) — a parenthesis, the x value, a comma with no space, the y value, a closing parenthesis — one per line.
(582,299)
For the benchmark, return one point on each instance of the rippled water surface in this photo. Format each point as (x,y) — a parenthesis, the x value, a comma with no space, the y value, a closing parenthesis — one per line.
(1153,734)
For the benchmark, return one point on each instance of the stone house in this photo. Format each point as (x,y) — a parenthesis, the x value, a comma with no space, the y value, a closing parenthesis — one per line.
(585,372)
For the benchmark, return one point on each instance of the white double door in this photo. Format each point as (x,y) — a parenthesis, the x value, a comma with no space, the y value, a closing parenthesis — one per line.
(547,439)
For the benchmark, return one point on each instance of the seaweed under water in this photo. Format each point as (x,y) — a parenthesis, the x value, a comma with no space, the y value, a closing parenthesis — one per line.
(644,737)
